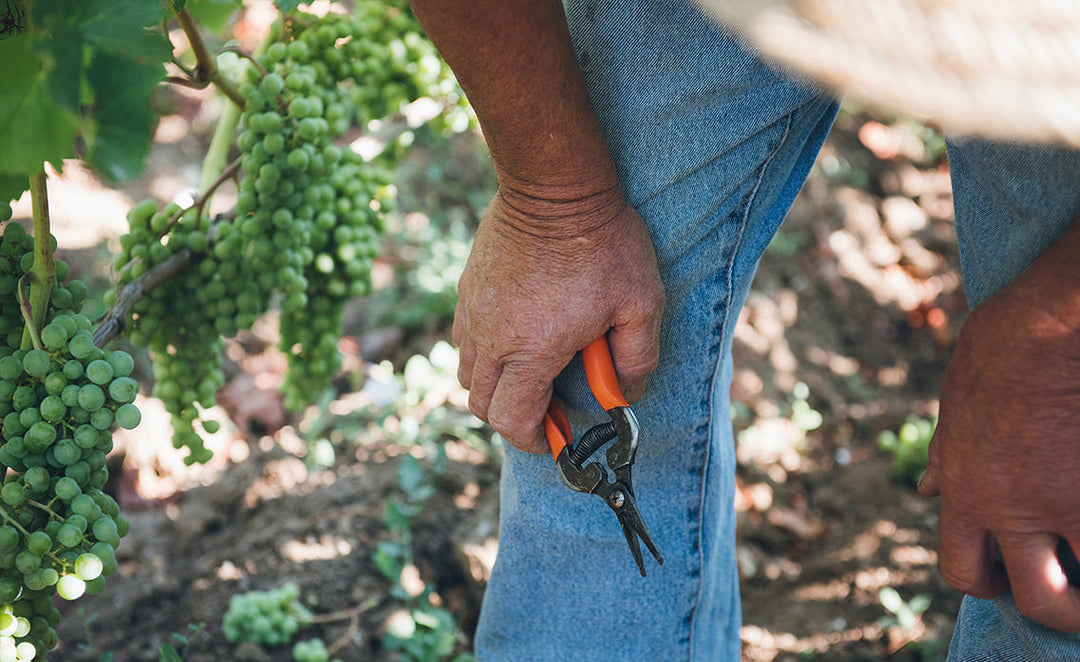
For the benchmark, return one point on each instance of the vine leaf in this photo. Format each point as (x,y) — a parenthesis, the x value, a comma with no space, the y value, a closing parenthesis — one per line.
(12,186)
(286,5)
(122,110)
(212,14)
(129,27)
(33,127)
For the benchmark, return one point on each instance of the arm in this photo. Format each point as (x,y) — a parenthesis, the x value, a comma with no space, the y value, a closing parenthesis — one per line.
(1005,458)
(559,258)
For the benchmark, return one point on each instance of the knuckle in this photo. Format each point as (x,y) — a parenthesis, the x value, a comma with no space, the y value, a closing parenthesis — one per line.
(964,581)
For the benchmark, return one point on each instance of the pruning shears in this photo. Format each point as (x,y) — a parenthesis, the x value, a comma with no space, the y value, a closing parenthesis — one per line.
(592,478)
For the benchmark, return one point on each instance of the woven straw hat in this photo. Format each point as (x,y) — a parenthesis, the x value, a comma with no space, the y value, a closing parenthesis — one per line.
(999,68)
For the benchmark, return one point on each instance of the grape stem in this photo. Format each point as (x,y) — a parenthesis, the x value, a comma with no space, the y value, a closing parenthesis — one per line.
(27,313)
(14,522)
(203,198)
(41,506)
(42,275)
(352,615)
(247,56)
(206,71)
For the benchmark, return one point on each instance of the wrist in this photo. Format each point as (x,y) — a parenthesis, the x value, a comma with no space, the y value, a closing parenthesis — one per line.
(555,211)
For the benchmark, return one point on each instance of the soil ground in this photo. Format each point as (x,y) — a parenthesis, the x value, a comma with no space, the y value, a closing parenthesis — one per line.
(854,311)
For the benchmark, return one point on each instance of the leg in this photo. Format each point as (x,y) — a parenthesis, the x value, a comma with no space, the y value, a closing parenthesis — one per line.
(1011,203)
(711,147)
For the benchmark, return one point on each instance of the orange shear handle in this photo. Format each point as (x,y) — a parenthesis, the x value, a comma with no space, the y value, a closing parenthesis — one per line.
(604,383)
(600,371)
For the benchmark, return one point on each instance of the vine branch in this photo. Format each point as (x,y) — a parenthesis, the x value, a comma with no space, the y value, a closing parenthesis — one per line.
(114,323)
(206,69)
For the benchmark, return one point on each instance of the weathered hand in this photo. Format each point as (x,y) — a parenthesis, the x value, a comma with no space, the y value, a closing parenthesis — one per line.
(1005,458)
(543,280)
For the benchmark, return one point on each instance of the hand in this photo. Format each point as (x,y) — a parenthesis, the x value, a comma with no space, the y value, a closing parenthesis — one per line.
(1005,458)
(545,279)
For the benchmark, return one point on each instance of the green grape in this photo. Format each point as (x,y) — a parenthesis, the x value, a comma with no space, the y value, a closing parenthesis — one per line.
(91,397)
(88,567)
(53,408)
(9,536)
(68,535)
(54,336)
(128,416)
(12,494)
(70,587)
(38,543)
(99,372)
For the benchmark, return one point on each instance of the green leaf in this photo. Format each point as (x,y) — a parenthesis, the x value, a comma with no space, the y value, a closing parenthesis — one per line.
(62,55)
(213,14)
(122,111)
(891,600)
(411,474)
(167,654)
(286,5)
(33,127)
(130,27)
(12,186)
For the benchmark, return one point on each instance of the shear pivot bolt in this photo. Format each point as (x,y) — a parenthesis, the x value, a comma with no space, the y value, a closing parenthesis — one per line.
(617,499)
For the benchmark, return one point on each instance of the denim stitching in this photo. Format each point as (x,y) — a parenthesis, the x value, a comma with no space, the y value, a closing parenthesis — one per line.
(718,333)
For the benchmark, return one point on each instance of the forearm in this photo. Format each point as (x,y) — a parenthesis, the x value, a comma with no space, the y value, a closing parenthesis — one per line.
(517,66)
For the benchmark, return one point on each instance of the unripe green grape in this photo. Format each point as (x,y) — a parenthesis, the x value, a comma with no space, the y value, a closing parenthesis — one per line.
(39,436)
(91,397)
(27,562)
(128,416)
(70,587)
(81,345)
(66,452)
(29,416)
(38,543)
(52,408)
(53,336)
(12,494)
(73,369)
(36,479)
(121,362)
(69,536)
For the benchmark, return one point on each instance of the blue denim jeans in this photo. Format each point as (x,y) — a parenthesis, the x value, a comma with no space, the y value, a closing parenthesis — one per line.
(711,146)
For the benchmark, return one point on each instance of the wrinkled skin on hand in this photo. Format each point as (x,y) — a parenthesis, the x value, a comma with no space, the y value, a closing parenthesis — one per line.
(545,279)
(1005,458)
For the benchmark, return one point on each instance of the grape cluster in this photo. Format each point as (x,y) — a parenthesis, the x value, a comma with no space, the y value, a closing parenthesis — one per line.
(307,220)
(182,321)
(270,618)
(59,402)
(311,650)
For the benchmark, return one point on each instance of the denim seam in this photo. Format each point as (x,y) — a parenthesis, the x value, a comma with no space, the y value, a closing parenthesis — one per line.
(718,332)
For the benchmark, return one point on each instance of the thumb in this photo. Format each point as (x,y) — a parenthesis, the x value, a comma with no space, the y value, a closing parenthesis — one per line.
(930,482)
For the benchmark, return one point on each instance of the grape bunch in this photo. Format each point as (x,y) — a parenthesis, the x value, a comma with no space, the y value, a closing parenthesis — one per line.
(182,321)
(308,214)
(270,618)
(59,402)
(311,650)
